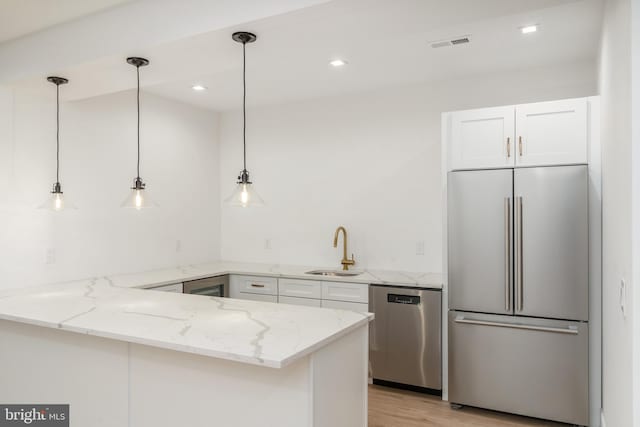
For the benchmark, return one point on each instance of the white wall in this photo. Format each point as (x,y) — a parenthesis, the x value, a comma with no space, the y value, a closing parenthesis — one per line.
(370,162)
(615,90)
(98,147)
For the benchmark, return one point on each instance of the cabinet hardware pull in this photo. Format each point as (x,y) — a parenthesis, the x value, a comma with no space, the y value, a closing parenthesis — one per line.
(256,285)
(520,145)
(508,147)
(570,330)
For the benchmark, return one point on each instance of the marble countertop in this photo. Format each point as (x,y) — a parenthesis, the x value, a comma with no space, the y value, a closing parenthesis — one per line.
(259,333)
(198,271)
(266,334)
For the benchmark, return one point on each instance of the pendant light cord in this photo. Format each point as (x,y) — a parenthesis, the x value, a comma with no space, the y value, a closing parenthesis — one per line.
(138,106)
(57,134)
(244,104)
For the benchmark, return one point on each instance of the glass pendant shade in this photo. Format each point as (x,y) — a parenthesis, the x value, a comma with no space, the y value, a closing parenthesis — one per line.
(244,196)
(138,198)
(56,201)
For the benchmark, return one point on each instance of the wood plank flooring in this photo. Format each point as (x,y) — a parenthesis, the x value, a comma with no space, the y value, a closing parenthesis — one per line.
(389,407)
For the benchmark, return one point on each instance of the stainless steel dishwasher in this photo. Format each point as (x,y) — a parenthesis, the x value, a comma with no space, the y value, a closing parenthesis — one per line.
(405,344)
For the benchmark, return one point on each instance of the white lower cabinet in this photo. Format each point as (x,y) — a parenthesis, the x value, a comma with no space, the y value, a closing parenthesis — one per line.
(306,292)
(258,297)
(309,302)
(345,291)
(344,305)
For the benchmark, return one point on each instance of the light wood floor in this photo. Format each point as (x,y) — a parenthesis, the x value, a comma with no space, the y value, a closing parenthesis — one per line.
(389,407)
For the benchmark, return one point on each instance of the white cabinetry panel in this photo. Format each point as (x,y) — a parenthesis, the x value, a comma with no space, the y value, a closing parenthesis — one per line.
(343,291)
(552,133)
(483,138)
(300,288)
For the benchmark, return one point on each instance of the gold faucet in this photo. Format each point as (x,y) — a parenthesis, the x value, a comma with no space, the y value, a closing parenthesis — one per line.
(346,262)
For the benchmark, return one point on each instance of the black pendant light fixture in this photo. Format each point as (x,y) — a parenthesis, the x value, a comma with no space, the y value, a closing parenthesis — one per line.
(244,194)
(138,199)
(56,201)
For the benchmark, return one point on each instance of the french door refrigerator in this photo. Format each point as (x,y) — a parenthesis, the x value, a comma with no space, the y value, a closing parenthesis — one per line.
(518,291)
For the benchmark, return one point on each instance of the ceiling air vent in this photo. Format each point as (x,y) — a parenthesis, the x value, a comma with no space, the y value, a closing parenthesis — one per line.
(451,42)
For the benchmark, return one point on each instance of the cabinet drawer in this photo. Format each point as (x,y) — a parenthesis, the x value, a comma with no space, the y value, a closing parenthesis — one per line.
(254,285)
(342,291)
(309,302)
(258,297)
(342,305)
(300,288)
(527,366)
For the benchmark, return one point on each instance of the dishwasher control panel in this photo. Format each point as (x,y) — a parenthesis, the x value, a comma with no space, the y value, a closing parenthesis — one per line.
(403,299)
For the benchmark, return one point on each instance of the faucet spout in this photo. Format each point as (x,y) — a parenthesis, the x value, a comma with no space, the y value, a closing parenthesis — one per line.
(346,262)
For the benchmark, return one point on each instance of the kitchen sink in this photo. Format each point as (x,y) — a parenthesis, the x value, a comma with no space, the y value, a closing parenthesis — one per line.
(341,273)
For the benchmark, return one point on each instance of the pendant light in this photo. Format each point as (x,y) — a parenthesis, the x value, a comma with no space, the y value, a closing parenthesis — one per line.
(55,201)
(244,194)
(138,199)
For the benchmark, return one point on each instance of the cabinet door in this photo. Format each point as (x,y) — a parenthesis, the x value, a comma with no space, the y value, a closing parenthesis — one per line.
(483,138)
(552,133)
(258,297)
(300,288)
(253,285)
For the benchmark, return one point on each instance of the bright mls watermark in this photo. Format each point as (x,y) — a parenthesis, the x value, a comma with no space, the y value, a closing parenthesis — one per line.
(34,415)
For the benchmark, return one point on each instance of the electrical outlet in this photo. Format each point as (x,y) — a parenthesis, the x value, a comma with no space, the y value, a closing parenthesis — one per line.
(420,247)
(50,256)
(178,245)
(267,244)
(623,297)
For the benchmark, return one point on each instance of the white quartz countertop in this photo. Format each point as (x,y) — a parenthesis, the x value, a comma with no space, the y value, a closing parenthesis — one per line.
(259,333)
(198,271)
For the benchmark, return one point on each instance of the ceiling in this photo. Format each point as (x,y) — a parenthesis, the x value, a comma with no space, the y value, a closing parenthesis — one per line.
(386,43)
(21,17)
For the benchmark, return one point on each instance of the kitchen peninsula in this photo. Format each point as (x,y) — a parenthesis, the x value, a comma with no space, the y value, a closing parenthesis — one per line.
(123,356)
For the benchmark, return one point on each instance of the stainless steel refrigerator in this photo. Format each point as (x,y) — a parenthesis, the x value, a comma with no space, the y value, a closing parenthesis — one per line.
(518,284)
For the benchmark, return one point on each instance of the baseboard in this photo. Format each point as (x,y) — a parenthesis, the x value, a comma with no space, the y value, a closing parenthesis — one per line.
(603,423)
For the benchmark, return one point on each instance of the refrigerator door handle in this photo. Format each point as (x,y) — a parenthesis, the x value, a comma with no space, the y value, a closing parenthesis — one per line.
(569,330)
(507,252)
(519,258)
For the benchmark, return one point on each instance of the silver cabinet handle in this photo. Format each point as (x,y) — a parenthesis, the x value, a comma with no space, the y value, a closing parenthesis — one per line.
(507,253)
(520,146)
(508,147)
(256,285)
(569,330)
(519,258)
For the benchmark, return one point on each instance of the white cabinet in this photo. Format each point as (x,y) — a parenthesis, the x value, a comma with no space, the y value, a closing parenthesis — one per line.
(343,305)
(538,134)
(483,138)
(300,288)
(552,133)
(174,287)
(344,291)
(253,285)
(309,302)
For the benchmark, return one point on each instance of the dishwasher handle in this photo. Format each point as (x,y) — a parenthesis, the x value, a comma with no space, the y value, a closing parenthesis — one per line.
(403,299)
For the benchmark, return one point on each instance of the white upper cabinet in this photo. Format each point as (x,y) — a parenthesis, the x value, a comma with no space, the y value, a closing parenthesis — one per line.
(552,133)
(483,138)
(538,134)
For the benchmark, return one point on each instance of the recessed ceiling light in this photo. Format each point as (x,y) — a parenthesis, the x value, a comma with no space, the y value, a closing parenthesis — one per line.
(529,29)
(198,88)
(338,63)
